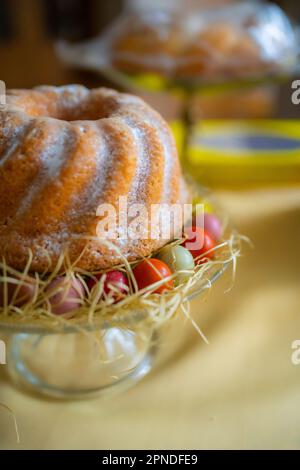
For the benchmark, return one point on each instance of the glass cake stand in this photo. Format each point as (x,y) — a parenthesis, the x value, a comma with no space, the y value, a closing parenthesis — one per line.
(72,361)
(73,364)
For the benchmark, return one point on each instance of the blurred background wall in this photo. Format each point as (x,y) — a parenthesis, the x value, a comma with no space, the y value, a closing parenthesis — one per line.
(28,29)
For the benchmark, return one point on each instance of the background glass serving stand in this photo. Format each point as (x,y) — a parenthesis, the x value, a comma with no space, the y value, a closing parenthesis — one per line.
(73,364)
(89,56)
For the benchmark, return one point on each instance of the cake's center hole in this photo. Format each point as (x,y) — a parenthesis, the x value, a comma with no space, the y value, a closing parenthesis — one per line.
(91,113)
(70,109)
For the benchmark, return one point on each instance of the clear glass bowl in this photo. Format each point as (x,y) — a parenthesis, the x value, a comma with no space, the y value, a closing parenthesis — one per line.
(75,364)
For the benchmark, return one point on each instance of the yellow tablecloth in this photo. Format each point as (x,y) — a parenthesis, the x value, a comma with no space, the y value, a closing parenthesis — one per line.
(240,391)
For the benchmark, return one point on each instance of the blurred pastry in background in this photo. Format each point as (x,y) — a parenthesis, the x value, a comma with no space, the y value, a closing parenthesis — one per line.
(237,41)
(219,51)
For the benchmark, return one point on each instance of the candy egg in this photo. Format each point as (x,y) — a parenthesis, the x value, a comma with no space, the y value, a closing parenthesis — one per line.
(115,284)
(65,295)
(178,258)
(151,271)
(213,226)
(198,242)
(19,295)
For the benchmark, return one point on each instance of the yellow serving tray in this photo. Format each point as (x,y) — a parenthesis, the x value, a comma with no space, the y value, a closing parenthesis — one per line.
(239,153)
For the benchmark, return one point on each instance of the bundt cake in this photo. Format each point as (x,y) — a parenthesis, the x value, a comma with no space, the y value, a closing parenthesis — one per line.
(63,152)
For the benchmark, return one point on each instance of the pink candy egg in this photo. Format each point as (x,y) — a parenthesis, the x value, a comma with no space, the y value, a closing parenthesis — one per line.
(67,295)
(17,295)
(213,226)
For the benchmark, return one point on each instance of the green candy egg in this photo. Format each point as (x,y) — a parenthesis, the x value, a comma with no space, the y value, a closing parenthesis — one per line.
(178,258)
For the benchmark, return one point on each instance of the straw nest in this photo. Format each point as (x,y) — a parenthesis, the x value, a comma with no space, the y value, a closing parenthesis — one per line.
(96,309)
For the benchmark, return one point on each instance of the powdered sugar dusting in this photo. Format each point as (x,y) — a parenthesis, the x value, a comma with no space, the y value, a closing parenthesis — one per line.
(143,163)
(53,141)
(17,135)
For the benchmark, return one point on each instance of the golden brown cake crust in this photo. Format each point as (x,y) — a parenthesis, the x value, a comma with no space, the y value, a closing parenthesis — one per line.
(64,151)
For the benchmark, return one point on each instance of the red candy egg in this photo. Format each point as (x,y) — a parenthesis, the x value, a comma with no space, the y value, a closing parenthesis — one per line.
(65,295)
(199,242)
(115,284)
(151,271)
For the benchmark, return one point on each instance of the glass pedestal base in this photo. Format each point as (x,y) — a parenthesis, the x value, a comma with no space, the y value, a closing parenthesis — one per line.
(81,365)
